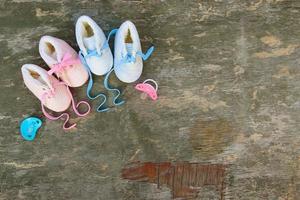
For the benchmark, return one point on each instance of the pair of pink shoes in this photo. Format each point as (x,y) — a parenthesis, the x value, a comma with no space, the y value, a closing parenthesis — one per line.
(53,91)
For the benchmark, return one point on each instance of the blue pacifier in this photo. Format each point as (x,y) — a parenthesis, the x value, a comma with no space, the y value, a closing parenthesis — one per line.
(29,127)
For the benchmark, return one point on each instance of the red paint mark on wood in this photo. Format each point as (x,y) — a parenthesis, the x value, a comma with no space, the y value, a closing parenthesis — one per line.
(185,179)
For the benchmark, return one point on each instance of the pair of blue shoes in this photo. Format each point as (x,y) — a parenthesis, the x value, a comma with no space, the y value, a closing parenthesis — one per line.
(96,55)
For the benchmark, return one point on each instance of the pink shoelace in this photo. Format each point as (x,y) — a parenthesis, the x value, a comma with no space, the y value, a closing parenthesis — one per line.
(50,93)
(67,61)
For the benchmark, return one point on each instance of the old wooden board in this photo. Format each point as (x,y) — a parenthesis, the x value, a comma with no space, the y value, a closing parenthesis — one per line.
(226,124)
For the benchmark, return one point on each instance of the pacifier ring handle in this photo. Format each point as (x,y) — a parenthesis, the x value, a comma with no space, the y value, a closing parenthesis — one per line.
(153,81)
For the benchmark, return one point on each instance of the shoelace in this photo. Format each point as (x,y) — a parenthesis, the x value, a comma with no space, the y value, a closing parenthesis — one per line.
(101,107)
(67,61)
(50,93)
(130,58)
(117,92)
(82,57)
(94,52)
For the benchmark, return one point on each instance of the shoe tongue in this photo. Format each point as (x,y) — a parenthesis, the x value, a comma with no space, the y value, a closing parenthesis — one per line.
(43,79)
(54,55)
(90,43)
(129,48)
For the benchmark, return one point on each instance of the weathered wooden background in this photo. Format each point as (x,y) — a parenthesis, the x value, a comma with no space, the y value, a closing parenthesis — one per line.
(229,86)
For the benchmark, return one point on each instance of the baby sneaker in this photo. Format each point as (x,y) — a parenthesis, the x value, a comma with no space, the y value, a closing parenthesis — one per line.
(63,61)
(93,45)
(52,93)
(128,56)
(96,55)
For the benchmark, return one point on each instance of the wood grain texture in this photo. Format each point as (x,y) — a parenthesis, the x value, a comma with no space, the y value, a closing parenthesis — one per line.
(229,90)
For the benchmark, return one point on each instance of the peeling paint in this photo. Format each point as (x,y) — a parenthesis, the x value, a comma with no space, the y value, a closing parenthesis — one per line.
(24,165)
(200,35)
(238,70)
(255,5)
(290,49)
(185,179)
(212,67)
(271,41)
(282,72)
(209,88)
(43,13)
(255,137)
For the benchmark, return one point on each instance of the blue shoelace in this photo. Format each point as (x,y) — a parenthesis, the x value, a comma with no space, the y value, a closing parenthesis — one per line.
(101,107)
(116,101)
(129,58)
(117,92)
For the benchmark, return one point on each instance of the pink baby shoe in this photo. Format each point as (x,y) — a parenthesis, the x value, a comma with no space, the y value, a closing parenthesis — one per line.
(52,93)
(63,61)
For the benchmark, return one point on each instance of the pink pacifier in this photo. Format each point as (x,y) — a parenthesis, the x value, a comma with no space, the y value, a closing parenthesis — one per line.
(148,89)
